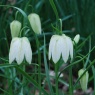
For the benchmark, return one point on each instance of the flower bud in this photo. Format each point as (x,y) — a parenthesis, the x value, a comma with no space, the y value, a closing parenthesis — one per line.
(15,27)
(35,22)
(76,39)
(84,79)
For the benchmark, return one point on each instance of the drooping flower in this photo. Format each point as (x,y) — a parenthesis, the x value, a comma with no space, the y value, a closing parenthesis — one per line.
(15,27)
(19,49)
(60,45)
(76,39)
(35,22)
(84,79)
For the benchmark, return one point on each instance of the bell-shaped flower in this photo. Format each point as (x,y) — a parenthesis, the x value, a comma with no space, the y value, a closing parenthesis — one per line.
(15,27)
(60,45)
(35,22)
(76,39)
(84,79)
(19,49)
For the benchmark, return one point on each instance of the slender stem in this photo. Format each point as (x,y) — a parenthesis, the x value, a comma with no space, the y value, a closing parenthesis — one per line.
(60,26)
(16,14)
(70,81)
(35,70)
(26,27)
(23,80)
(87,61)
(24,71)
(56,75)
(14,75)
(9,81)
(39,62)
(6,41)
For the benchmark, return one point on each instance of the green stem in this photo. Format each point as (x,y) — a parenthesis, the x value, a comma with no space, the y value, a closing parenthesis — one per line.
(16,14)
(25,27)
(14,75)
(6,41)
(60,26)
(39,62)
(24,71)
(56,80)
(9,73)
(70,81)
(87,61)
(23,81)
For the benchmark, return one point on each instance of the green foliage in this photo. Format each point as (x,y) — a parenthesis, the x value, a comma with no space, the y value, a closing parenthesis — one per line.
(78,17)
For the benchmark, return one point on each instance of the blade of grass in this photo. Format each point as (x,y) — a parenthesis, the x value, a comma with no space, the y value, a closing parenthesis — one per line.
(54,9)
(82,44)
(93,71)
(47,70)
(76,62)
(39,61)
(5,91)
(87,60)
(70,81)
(20,10)
(31,80)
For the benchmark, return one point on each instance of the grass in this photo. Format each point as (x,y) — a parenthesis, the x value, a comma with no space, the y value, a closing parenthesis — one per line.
(77,18)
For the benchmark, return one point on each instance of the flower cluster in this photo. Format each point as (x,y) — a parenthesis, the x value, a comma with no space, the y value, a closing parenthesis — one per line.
(60,45)
(20,48)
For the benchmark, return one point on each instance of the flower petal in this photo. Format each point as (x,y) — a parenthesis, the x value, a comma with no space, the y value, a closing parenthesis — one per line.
(51,45)
(65,49)
(70,45)
(59,47)
(13,47)
(27,50)
(56,51)
(20,52)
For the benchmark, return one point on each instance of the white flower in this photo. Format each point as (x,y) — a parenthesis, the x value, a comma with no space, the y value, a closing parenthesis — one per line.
(84,79)
(19,49)
(76,39)
(60,45)
(35,22)
(15,27)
